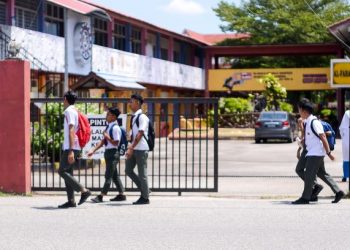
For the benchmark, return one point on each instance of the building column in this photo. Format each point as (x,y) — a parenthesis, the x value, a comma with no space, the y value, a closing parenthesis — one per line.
(144,34)
(15,104)
(158,53)
(110,30)
(201,58)
(341,104)
(11,13)
(207,68)
(182,53)
(216,62)
(128,37)
(41,16)
(340,95)
(171,49)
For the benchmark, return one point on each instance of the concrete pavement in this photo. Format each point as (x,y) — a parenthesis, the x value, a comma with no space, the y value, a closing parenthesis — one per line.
(173,223)
(248,212)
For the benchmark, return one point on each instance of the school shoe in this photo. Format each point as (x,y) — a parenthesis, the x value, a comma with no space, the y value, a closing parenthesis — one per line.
(119,197)
(300,201)
(338,196)
(84,197)
(141,201)
(68,204)
(315,192)
(97,199)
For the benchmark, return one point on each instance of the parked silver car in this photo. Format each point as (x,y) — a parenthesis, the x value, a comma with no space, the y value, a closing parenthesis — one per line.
(276,125)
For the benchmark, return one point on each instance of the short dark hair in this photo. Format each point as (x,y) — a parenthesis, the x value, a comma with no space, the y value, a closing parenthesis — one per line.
(115,111)
(306,105)
(71,97)
(137,97)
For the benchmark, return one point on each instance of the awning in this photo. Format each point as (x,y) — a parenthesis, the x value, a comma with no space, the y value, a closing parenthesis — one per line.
(341,32)
(82,8)
(106,81)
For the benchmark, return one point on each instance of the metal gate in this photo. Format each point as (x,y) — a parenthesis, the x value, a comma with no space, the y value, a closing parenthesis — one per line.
(185,157)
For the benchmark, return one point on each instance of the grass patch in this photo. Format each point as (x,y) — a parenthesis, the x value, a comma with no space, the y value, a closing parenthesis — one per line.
(4,194)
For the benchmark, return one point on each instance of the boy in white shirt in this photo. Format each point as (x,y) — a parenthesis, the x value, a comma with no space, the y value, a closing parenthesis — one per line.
(316,148)
(70,153)
(137,153)
(111,142)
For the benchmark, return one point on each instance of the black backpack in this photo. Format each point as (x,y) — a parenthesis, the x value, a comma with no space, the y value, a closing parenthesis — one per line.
(151,136)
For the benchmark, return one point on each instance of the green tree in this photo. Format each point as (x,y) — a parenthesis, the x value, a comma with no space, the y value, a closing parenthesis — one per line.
(282,22)
(274,92)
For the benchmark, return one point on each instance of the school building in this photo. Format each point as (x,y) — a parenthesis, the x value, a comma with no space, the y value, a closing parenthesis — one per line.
(112,54)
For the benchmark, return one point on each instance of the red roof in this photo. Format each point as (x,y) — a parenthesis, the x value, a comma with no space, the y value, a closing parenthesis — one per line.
(80,7)
(211,39)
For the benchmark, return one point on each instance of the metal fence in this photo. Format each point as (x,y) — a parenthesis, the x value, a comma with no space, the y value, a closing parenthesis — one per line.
(185,157)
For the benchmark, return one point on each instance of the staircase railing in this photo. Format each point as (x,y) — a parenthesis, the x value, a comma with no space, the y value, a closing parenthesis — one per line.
(23,53)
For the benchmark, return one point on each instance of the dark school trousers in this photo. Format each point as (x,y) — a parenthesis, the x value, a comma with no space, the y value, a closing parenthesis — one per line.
(66,172)
(111,174)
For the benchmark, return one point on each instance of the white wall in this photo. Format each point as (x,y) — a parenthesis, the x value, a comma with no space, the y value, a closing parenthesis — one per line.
(146,69)
(50,50)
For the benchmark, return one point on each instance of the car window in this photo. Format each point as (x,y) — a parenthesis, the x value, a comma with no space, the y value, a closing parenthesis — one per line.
(273,116)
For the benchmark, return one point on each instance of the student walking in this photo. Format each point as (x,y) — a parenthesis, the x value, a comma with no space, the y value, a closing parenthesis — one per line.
(111,140)
(137,152)
(316,149)
(71,150)
(301,165)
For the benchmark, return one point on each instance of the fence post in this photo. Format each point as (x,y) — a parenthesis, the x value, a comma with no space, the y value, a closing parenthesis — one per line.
(15,126)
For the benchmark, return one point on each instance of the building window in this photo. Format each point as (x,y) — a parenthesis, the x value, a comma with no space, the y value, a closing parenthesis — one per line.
(136,41)
(101,34)
(2,12)
(176,52)
(54,20)
(119,36)
(26,14)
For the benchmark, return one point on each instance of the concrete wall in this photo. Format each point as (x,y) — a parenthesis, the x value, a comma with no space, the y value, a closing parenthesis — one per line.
(15,126)
(127,66)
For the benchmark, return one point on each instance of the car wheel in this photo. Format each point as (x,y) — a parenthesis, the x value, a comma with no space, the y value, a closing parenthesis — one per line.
(291,137)
(257,140)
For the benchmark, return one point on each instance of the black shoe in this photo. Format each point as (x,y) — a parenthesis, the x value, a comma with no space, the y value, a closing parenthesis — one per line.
(141,201)
(68,204)
(84,197)
(314,199)
(315,192)
(338,196)
(343,180)
(300,201)
(98,199)
(119,197)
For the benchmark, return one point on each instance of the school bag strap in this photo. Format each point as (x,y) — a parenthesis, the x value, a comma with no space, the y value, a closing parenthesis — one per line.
(312,128)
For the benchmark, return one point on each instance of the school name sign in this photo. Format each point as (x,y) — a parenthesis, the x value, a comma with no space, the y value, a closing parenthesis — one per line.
(340,73)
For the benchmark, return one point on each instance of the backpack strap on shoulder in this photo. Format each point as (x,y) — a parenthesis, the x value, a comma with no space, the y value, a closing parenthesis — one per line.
(111,132)
(312,128)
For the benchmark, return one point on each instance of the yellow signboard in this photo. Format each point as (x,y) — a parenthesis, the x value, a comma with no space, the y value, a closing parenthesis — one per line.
(340,69)
(290,78)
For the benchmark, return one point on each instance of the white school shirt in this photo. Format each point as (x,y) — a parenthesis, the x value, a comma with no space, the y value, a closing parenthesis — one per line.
(143,126)
(313,143)
(116,134)
(70,118)
(344,133)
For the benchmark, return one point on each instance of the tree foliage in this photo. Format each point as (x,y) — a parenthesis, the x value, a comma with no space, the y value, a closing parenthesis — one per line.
(282,22)
(274,92)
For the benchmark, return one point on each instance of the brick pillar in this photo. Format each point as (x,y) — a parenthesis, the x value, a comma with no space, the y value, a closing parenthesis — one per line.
(15,126)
